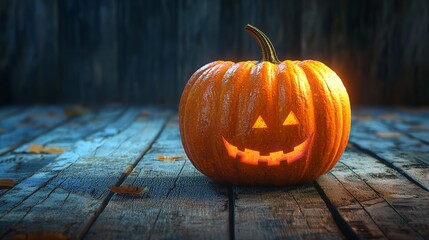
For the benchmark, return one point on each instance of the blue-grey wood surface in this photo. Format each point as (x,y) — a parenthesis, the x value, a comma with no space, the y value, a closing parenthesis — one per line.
(145,51)
(378,190)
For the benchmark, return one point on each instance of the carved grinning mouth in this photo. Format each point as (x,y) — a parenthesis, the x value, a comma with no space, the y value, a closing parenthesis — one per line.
(254,157)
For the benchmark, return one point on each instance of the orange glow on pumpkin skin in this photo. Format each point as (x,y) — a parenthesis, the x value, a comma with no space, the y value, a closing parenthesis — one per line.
(274,158)
(222,97)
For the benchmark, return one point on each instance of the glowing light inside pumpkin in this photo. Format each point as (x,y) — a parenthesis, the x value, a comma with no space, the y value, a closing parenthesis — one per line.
(260,123)
(253,157)
(291,119)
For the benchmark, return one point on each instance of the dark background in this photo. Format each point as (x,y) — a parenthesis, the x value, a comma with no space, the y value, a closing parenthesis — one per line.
(98,51)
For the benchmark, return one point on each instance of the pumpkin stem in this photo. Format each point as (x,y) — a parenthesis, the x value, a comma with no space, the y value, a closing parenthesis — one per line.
(267,48)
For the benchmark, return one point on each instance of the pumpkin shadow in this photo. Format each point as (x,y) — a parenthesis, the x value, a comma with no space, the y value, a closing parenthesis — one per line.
(201,188)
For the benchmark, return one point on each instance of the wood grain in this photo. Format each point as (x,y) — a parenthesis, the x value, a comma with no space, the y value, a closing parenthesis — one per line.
(81,189)
(376,191)
(39,179)
(392,145)
(290,212)
(144,52)
(19,165)
(179,204)
(28,124)
(88,51)
(390,198)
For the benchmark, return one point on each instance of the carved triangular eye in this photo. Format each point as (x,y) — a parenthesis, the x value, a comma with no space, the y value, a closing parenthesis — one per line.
(291,119)
(259,123)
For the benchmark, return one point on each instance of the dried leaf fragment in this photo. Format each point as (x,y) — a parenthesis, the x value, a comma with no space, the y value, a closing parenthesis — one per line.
(168,158)
(128,189)
(388,134)
(40,235)
(77,110)
(7,183)
(36,148)
(1,130)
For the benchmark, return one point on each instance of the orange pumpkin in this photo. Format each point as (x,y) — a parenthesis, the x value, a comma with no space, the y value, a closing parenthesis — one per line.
(264,122)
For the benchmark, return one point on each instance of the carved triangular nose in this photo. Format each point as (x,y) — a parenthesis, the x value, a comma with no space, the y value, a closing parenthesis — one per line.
(259,123)
(291,119)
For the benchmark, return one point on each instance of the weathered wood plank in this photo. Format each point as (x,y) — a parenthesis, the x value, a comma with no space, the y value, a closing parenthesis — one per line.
(19,165)
(397,206)
(78,193)
(76,129)
(195,203)
(348,207)
(147,38)
(289,212)
(87,44)
(412,123)
(181,203)
(22,127)
(198,38)
(406,154)
(6,111)
(28,186)
(28,59)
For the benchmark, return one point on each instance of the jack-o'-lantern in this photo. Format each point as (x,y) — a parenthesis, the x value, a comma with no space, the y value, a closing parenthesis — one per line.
(264,122)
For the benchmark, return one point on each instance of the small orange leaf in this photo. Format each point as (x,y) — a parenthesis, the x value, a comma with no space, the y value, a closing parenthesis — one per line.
(77,110)
(7,183)
(40,235)
(53,150)
(36,148)
(169,158)
(388,134)
(128,189)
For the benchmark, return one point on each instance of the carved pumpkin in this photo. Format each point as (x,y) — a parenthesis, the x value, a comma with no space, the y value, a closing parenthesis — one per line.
(264,122)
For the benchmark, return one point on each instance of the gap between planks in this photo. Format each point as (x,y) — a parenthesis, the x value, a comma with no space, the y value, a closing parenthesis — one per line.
(24,140)
(122,178)
(390,164)
(28,188)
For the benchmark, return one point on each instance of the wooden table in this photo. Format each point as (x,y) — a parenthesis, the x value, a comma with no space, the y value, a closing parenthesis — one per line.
(379,189)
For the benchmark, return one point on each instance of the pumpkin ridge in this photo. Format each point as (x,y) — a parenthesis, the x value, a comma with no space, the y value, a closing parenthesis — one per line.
(298,76)
(321,137)
(188,87)
(332,140)
(345,114)
(218,150)
(194,94)
(184,101)
(338,105)
(217,81)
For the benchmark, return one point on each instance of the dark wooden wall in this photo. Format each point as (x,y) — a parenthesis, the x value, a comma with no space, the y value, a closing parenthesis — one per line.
(96,51)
